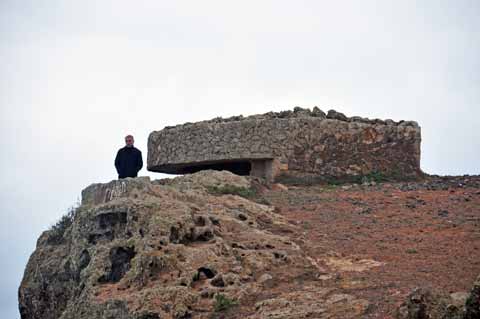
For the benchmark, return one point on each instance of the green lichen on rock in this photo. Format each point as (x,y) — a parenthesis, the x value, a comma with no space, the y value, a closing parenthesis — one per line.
(232,190)
(223,303)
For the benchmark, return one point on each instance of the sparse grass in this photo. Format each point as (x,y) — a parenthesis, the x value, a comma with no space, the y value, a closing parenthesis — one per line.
(58,229)
(306,225)
(196,276)
(330,187)
(232,189)
(411,251)
(375,176)
(223,303)
(250,193)
(332,181)
(300,180)
(393,175)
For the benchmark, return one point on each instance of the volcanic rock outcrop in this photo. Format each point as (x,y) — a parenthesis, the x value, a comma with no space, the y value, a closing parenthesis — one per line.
(302,144)
(213,245)
(425,304)
(141,249)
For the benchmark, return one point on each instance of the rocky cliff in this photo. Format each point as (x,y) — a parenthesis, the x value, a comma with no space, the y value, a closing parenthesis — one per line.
(217,245)
(140,249)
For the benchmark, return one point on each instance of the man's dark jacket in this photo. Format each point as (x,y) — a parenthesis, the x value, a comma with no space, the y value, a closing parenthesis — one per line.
(128,162)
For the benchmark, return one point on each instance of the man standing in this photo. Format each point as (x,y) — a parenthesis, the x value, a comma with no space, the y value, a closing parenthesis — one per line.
(129,159)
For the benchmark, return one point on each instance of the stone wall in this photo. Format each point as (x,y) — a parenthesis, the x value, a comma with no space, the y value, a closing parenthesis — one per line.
(298,143)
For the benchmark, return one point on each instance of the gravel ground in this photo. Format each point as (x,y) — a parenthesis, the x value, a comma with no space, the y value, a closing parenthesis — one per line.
(378,242)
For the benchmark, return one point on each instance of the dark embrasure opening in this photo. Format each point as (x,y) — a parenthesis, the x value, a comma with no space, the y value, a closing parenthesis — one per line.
(238,167)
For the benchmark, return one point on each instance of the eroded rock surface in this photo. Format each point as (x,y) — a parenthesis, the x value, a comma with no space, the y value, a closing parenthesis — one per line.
(424,303)
(191,247)
(170,249)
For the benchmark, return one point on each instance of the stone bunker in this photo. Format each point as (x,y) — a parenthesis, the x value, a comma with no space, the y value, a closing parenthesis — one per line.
(302,144)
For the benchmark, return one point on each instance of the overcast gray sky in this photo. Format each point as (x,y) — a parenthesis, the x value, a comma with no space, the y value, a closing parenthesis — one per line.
(76,76)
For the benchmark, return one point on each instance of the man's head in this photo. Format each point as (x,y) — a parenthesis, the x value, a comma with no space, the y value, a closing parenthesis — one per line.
(129,141)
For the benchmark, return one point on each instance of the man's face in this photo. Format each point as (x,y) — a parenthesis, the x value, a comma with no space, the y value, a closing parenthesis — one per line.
(129,141)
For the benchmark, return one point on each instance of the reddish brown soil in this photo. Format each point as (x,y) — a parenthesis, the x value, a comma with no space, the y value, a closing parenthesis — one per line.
(425,238)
